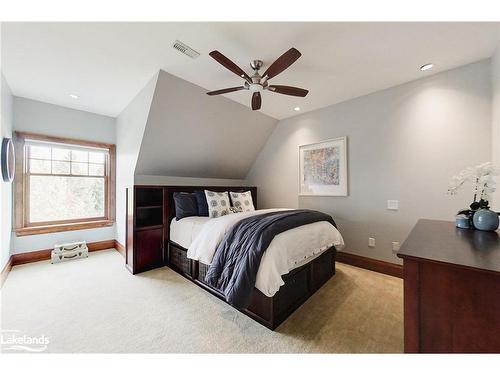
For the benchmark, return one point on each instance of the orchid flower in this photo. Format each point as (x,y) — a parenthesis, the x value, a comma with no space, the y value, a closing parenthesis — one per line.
(483,183)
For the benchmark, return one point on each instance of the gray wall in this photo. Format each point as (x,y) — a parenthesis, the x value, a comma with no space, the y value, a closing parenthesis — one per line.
(5,187)
(43,118)
(38,117)
(404,143)
(495,123)
(191,134)
(130,126)
(173,180)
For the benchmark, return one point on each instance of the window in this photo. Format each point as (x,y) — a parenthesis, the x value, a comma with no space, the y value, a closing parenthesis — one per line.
(63,184)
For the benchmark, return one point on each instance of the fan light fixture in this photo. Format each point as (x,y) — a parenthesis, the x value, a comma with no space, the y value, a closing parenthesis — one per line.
(426,67)
(296,109)
(259,82)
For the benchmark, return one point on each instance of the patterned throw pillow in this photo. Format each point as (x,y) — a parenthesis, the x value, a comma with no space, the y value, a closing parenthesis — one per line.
(243,200)
(235,210)
(218,203)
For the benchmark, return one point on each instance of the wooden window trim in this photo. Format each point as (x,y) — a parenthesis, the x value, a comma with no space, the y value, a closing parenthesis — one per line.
(21,225)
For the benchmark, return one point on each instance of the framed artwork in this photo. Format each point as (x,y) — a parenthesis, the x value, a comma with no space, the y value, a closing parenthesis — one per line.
(323,168)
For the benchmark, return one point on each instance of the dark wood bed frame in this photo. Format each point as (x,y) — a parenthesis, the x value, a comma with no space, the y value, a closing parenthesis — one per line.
(300,283)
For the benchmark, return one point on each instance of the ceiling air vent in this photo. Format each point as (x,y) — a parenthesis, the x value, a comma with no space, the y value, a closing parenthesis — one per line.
(181,47)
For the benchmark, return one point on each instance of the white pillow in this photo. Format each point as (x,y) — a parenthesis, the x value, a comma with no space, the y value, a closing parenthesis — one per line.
(218,203)
(243,200)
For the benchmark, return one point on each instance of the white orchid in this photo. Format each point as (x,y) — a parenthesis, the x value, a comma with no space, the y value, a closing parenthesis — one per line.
(482,180)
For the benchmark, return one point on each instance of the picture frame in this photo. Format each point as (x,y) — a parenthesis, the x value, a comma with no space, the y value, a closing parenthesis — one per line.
(323,168)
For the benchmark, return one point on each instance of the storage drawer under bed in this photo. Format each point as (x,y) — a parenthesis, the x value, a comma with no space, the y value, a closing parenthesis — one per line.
(300,283)
(322,268)
(177,258)
(202,272)
(297,287)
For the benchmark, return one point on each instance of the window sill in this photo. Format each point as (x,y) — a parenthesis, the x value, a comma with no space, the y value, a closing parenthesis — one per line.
(28,231)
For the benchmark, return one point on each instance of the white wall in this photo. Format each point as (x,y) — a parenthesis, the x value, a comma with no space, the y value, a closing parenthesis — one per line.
(495,123)
(43,118)
(130,126)
(403,143)
(5,187)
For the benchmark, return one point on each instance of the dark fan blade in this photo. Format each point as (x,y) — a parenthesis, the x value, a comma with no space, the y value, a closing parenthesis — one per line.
(282,62)
(224,91)
(288,90)
(256,101)
(228,64)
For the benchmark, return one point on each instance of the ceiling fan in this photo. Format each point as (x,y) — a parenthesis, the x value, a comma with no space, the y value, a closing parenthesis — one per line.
(257,82)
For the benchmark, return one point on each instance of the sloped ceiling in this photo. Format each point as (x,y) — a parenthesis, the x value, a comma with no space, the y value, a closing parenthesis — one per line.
(190,134)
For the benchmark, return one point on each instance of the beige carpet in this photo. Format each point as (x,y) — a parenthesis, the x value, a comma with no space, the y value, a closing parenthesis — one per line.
(96,305)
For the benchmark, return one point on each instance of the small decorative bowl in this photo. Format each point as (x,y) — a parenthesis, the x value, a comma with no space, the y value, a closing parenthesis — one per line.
(462,221)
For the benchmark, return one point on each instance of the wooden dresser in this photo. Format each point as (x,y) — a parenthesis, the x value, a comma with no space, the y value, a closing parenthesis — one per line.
(451,289)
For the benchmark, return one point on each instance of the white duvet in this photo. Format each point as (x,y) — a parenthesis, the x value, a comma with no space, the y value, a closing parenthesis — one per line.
(287,251)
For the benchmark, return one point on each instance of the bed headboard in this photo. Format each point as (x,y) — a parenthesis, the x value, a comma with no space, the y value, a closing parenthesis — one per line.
(169,209)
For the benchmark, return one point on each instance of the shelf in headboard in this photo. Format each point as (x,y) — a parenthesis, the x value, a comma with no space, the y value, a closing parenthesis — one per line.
(147,196)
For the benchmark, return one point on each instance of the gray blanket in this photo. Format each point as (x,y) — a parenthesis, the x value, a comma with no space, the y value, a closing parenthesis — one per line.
(237,259)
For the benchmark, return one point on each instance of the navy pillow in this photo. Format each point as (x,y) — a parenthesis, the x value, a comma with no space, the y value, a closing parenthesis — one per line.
(201,200)
(185,205)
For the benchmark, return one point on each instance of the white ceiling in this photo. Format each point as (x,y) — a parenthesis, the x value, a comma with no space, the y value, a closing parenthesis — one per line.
(107,64)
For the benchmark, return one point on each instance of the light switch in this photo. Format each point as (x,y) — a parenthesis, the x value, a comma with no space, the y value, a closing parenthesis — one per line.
(392,204)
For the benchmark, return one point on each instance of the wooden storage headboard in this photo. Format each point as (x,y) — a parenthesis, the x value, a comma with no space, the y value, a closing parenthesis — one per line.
(169,191)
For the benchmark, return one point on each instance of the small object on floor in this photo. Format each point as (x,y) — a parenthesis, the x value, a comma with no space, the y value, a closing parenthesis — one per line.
(68,251)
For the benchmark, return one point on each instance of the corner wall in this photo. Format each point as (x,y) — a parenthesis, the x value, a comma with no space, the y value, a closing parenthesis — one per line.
(5,187)
(404,143)
(130,126)
(495,121)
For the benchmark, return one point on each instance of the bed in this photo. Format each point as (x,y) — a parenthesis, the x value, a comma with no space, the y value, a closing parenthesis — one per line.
(295,265)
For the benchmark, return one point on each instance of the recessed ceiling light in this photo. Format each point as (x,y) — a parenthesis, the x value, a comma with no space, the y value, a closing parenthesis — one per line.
(73,96)
(296,109)
(426,67)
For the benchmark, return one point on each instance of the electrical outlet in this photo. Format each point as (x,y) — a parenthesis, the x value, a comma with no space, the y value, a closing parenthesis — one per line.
(395,247)
(371,242)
